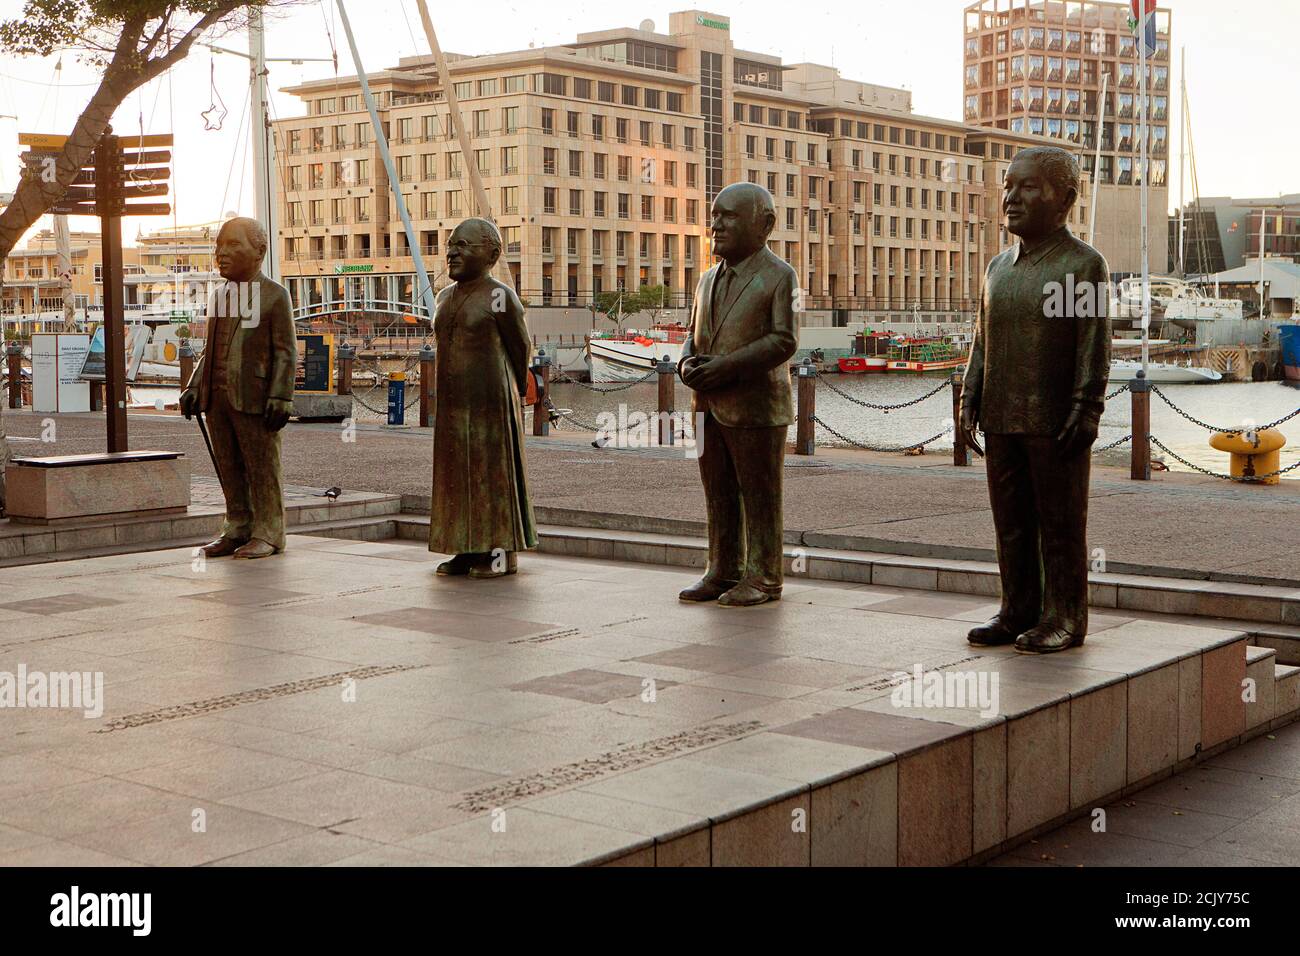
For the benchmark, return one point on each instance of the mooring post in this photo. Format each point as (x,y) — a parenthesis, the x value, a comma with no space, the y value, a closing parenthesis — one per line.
(185,355)
(667,370)
(541,414)
(960,451)
(805,440)
(1140,460)
(427,372)
(14,352)
(347,357)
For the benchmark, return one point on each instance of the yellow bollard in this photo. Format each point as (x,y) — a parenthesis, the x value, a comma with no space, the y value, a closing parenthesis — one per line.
(1249,458)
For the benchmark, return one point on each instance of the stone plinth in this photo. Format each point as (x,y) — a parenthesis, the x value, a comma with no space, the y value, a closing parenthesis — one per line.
(332,408)
(63,489)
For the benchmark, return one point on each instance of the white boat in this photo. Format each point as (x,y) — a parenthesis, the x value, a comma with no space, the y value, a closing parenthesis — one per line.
(632,355)
(1162,373)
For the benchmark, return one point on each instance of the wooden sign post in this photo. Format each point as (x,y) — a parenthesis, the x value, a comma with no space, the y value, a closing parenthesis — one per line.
(103,190)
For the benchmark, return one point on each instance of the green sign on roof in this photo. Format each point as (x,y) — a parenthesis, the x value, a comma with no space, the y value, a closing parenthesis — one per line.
(704,21)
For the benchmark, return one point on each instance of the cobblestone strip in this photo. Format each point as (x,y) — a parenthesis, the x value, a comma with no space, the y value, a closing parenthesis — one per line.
(612,761)
(196,708)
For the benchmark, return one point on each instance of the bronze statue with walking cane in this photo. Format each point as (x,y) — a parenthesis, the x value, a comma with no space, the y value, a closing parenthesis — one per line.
(244,383)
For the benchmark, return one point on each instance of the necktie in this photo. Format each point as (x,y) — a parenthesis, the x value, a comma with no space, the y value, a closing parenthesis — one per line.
(720,293)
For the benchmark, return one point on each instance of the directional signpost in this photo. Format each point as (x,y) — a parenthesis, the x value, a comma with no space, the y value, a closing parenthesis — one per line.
(125,170)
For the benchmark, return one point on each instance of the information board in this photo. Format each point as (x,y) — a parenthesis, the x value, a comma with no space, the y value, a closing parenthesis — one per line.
(314,373)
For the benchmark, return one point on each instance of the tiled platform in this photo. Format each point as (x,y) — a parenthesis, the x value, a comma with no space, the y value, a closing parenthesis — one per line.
(340,704)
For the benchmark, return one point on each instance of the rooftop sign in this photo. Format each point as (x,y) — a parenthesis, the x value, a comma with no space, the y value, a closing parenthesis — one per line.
(704,21)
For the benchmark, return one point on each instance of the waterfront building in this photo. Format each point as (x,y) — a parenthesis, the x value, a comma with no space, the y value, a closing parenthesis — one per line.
(1221,232)
(601,157)
(1036,66)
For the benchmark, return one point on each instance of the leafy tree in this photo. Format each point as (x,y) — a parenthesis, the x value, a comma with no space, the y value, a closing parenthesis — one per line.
(131,42)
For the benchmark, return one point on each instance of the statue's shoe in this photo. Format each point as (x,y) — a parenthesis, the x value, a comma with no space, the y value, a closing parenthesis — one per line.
(487,567)
(458,564)
(997,631)
(256,548)
(705,590)
(1047,639)
(221,547)
(746,595)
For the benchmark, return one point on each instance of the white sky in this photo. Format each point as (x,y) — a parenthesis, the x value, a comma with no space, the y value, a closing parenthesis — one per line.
(1242,76)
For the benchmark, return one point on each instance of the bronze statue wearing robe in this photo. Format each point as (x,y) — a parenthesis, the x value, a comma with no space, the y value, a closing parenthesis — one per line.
(480,510)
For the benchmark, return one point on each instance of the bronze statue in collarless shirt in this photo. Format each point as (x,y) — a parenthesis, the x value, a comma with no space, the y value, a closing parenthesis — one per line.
(743,334)
(1035,385)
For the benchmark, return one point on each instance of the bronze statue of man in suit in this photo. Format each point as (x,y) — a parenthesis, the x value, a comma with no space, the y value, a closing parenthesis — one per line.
(1035,384)
(244,383)
(480,512)
(743,334)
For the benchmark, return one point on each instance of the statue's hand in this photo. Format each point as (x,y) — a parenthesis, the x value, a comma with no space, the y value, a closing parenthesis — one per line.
(1078,434)
(277,413)
(710,372)
(189,403)
(969,425)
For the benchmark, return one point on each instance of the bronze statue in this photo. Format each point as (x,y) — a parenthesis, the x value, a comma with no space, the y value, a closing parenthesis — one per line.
(480,511)
(735,362)
(1035,385)
(244,383)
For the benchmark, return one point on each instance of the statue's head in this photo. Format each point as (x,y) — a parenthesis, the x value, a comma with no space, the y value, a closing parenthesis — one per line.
(1039,190)
(742,218)
(241,244)
(472,250)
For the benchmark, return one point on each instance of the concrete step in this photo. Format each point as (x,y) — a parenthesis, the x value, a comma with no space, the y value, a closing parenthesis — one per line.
(28,544)
(1287,645)
(1286,680)
(376,528)
(1261,707)
(1263,604)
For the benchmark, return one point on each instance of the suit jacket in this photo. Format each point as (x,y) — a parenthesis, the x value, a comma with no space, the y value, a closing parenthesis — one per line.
(755,329)
(1042,342)
(262,355)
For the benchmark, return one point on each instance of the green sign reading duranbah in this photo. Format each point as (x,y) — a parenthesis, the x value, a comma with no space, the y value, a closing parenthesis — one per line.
(716,24)
(358,267)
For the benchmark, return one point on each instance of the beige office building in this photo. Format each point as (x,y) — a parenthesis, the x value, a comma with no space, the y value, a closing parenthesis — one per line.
(1037,67)
(600,159)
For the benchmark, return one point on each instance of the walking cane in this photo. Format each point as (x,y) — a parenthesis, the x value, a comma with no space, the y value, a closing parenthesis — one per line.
(208,441)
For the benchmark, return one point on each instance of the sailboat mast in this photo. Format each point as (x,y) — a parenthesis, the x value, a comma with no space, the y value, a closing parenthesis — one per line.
(1096,158)
(1182,166)
(481,204)
(424,292)
(1146,248)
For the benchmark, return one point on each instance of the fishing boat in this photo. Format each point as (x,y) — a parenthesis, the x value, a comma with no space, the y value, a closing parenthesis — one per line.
(925,354)
(630,354)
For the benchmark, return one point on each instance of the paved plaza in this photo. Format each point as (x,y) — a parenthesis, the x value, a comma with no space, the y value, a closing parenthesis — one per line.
(341,705)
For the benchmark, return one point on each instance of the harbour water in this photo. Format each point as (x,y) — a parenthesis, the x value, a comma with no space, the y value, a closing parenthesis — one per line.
(1226,405)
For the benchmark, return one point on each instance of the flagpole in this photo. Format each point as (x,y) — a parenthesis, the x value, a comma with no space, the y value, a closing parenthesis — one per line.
(1142,127)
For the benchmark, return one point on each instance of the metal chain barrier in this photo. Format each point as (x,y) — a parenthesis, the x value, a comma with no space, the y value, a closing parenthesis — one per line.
(356,396)
(1114,444)
(825,380)
(568,416)
(866,447)
(1244,479)
(617,388)
(1119,391)
(1214,428)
